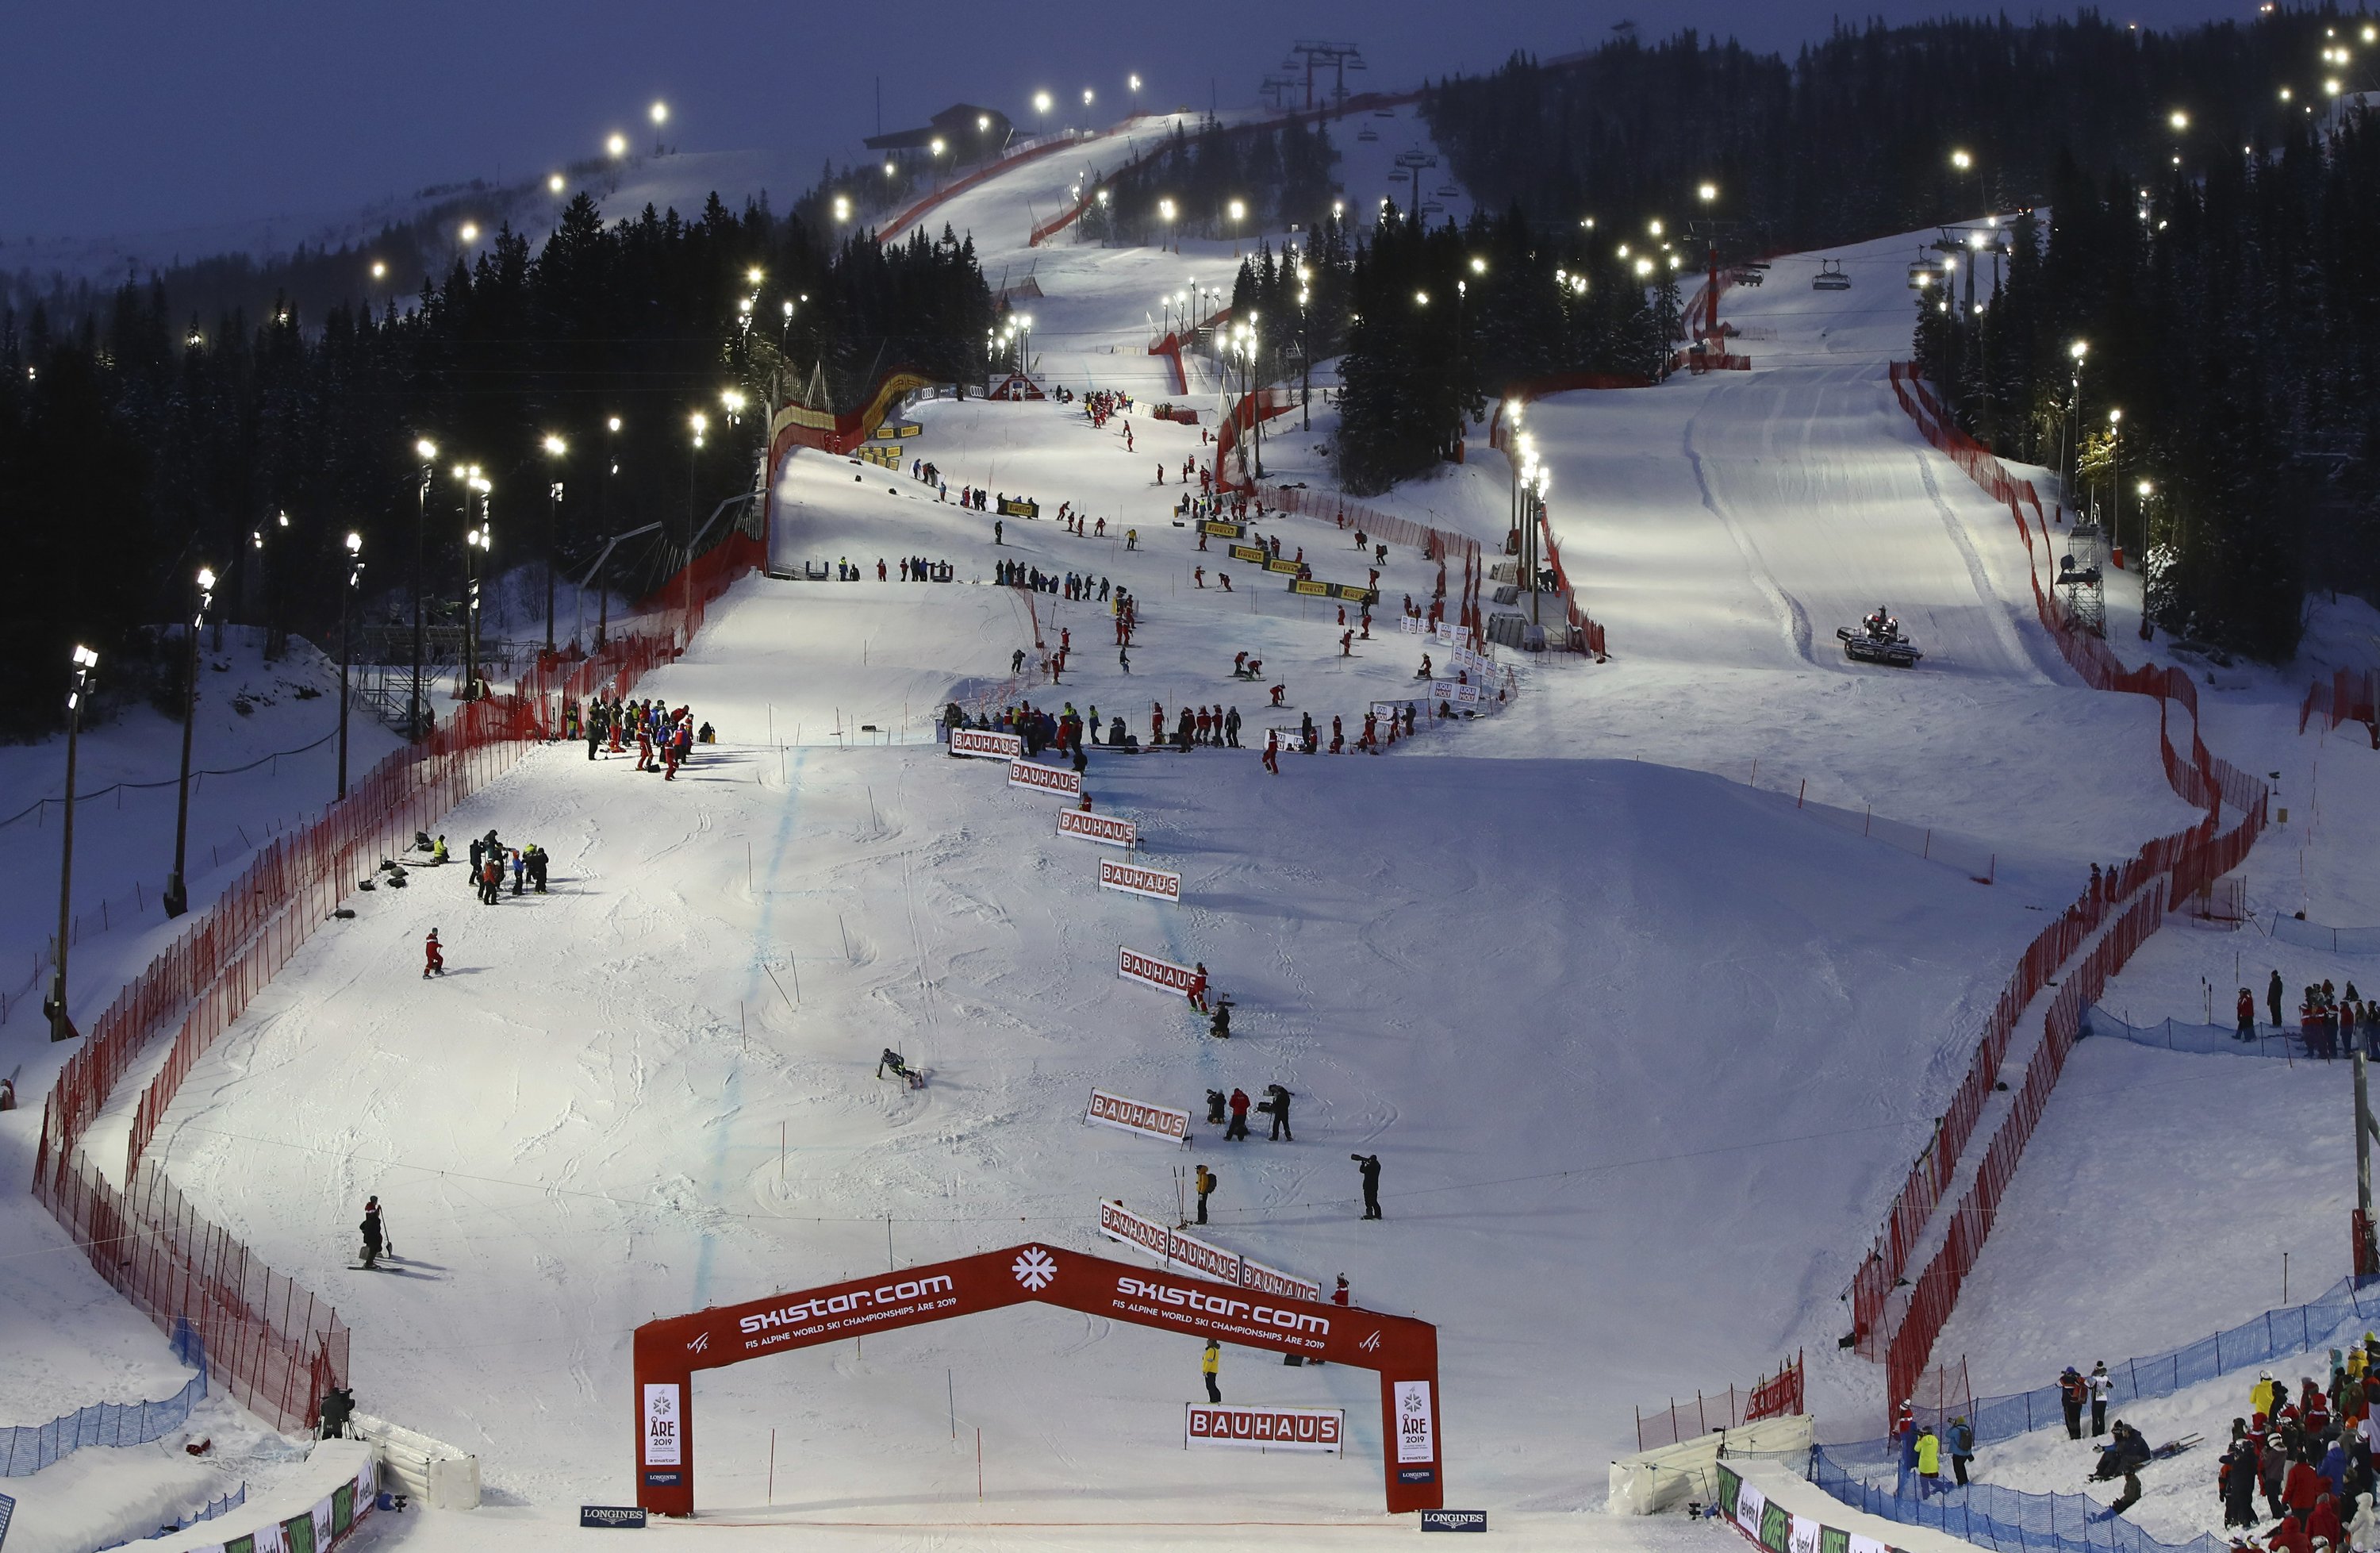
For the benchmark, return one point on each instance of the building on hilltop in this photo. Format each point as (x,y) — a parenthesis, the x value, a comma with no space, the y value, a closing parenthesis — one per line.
(961,132)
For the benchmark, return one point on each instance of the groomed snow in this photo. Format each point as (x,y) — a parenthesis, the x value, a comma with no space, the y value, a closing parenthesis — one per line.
(1645,1053)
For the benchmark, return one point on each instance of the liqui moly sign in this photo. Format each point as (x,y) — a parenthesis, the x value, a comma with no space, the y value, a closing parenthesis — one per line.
(1099,827)
(1133,880)
(1149,970)
(1268,1428)
(1045,778)
(1136,1116)
(986,744)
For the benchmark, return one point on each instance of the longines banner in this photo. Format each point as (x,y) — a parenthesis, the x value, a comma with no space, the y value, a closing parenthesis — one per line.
(1135,1116)
(1149,970)
(1131,877)
(1045,778)
(986,744)
(1269,1428)
(1099,827)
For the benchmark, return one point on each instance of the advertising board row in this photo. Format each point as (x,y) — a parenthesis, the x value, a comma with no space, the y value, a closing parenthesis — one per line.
(1149,970)
(1779,1530)
(1267,1428)
(1045,778)
(1105,829)
(1156,884)
(1190,1254)
(1127,1115)
(986,744)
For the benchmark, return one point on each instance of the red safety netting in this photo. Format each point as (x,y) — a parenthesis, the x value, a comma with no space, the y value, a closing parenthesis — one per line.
(2350,696)
(272,1343)
(1438,544)
(1777,1396)
(2167,870)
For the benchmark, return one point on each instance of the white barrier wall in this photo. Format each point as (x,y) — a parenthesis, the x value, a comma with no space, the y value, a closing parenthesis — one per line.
(426,1470)
(1666,1475)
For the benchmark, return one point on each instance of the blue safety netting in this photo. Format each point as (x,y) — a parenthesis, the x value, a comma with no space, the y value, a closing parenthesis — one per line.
(222,1506)
(27,1450)
(2001,1518)
(2204,1039)
(2314,935)
(2335,1319)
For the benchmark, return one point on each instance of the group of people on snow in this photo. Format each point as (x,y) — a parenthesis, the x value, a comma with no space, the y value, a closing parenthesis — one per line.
(2309,1457)
(665,738)
(2330,1021)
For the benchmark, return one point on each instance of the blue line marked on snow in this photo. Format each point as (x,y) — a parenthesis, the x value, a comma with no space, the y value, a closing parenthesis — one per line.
(763,941)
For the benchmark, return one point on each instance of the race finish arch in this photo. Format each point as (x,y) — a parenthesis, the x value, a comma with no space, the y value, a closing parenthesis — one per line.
(669,1351)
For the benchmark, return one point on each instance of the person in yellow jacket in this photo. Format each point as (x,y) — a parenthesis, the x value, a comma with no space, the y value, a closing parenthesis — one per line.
(1209,1363)
(2260,1395)
(1205,1184)
(1929,1463)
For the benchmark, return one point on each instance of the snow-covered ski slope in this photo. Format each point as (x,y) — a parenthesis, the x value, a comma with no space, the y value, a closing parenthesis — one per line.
(1644,1052)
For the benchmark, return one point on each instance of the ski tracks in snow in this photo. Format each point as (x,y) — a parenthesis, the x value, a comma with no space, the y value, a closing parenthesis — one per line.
(1794,625)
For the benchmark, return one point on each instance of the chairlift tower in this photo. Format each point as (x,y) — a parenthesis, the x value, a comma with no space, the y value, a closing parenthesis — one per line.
(2081,569)
(1412,163)
(1339,58)
(1964,240)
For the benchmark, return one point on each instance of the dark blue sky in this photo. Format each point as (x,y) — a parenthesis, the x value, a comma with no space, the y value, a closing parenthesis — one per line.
(153,116)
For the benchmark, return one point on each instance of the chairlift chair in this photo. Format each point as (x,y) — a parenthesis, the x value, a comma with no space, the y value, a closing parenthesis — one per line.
(1831,277)
(1367,133)
(1447,191)
(1925,272)
(1384,112)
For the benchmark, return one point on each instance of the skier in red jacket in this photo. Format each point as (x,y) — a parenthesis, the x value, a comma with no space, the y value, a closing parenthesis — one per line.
(435,963)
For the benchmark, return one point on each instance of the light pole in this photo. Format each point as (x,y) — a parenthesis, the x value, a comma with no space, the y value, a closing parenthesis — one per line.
(475,540)
(426,451)
(2074,464)
(354,575)
(1165,214)
(554,448)
(2116,478)
(699,423)
(604,518)
(177,898)
(1237,210)
(86,663)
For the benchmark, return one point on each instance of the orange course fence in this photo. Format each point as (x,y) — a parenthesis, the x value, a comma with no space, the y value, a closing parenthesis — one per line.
(277,1345)
(2351,696)
(1438,545)
(1778,1396)
(2130,903)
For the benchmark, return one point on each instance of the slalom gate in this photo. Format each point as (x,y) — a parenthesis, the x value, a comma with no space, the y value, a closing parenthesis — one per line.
(276,1346)
(1404,1351)
(2120,914)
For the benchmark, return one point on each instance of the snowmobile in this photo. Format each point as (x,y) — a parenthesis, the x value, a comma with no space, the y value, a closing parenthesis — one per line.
(1878,640)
